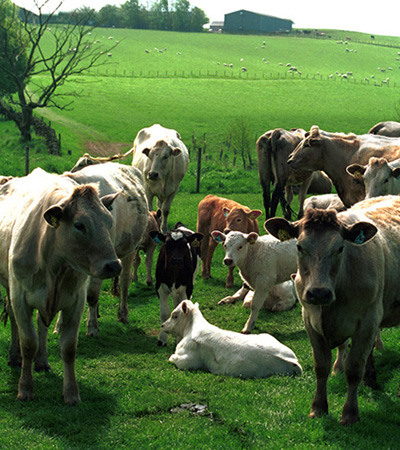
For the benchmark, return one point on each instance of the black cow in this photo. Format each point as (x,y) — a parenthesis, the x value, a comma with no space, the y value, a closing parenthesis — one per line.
(177,266)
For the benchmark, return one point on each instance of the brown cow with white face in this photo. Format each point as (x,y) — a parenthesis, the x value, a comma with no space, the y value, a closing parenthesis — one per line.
(347,283)
(222,214)
(54,234)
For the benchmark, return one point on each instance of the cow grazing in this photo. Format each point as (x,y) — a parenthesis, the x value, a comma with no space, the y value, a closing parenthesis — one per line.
(326,201)
(147,245)
(177,267)
(273,149)
(389,128)
(204,346)
(380,176)
(333,152)
(163,159)
(222,214)
(54,233)
(130,214)
(348,286)
(263,262)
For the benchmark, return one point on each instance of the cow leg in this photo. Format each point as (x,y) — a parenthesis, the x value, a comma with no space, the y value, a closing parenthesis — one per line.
(360,351)
(341,355)
(93,294)
(229,278)
(322,364)
(256,305)
(212,245)
(123,312)
(41,359)
(165,312)
(149,264)
(302,195)
(237,296)
(205,245)
(68,343)
(14,354)
(165,207)
(136,264)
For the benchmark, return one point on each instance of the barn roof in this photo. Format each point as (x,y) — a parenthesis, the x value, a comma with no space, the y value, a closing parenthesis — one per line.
(258,14)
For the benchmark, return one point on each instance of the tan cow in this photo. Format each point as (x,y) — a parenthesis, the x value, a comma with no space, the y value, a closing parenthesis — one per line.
(347,283)
(389,128)
(273,149)
(147,245)
(222,214)
(54,234)
(163,159)
(333,152)
(130,214)
(380,176)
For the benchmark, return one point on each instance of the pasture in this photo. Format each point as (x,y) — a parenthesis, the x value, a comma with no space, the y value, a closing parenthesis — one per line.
(132,397)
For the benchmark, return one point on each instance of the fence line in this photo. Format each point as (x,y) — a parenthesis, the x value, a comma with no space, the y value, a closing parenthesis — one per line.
(231,74)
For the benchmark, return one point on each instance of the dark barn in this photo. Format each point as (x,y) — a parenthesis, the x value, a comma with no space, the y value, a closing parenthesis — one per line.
(253,23)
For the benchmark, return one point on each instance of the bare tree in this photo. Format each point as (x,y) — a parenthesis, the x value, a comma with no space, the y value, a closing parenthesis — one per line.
(54,53)
(241,136)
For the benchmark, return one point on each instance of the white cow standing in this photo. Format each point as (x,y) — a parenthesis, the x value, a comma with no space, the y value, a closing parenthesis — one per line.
(223,352)
(163,159)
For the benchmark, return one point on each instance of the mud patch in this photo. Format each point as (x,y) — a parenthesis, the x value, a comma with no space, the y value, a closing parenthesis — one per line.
(99,148)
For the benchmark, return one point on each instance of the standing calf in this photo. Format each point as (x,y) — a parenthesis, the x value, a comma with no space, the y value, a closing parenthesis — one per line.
(263,262)
(204,346)
(177,266)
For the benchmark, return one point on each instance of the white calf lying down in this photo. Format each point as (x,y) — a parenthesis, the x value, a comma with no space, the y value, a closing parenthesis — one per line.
(204,346)
(280,298)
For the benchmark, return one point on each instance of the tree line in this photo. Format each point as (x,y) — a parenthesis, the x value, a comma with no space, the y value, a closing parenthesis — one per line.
(160,15)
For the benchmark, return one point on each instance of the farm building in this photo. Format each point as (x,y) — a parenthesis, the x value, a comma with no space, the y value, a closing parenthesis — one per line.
(216,26)
(243,21)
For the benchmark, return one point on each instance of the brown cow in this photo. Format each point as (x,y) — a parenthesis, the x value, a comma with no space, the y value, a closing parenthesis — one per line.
(53,235)
(347,283)
(389,128)
(147,245)
(218,213)
(273,150)
(333,152)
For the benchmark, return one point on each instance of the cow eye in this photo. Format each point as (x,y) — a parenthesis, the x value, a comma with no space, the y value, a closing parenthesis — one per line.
(299,248)
(341,249)
(240,247)
(79,226)
(386,181)
(175,316)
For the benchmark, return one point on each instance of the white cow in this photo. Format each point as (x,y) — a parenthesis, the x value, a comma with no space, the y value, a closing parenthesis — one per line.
(54,233)
(263,262)
(163,159)
(204,346)
(325,201)
(380,176)
(130,214)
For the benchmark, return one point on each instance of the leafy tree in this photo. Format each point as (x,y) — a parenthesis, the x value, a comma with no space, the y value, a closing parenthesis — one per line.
(161,15)
(134,15)
(110,16)
(182,15)
(53,55)
(198,18)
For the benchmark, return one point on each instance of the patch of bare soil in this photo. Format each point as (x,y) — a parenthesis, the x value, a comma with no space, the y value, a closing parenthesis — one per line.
(99,148)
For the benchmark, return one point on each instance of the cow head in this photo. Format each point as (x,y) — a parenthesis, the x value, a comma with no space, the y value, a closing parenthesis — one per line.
(179,319)
(308,153)
(236,245)
(160,157)
(378,176)
(82,225)
(322,240)
(176,245)
(241,218)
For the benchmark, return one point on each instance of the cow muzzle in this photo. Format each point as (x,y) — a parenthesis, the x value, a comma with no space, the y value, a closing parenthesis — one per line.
(154,176)
(319,296)
(228,262)
(110,269)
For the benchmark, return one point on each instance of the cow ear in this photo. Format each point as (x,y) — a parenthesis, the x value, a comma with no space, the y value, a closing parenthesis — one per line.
(252,237)
(226,211)
(185,308)
(146,151)
(396,173)
(176,151)
(53,216)
(158,213)
(194,239)
(254,214)
(281,228)
(108,200)
(157,236)
(218,236)
(356,171)
(359,233)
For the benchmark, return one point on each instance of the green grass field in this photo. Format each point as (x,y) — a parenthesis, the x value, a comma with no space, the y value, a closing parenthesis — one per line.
(130,393)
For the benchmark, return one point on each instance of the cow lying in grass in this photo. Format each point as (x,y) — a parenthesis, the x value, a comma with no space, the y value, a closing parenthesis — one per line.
(204,346)
(263,262)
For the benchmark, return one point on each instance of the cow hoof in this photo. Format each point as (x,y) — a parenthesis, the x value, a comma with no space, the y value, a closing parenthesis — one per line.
(161,343)
(23,397)
(149,283)
(244,331)
(42,367)
(15,363)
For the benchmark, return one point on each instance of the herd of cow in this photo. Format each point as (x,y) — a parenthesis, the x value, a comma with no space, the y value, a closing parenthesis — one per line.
(61,235)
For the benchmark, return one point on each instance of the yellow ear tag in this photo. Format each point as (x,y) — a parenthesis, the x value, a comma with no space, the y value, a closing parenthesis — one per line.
(358,175)
(284,235)
(195,243)
(251,217)
(54,222)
